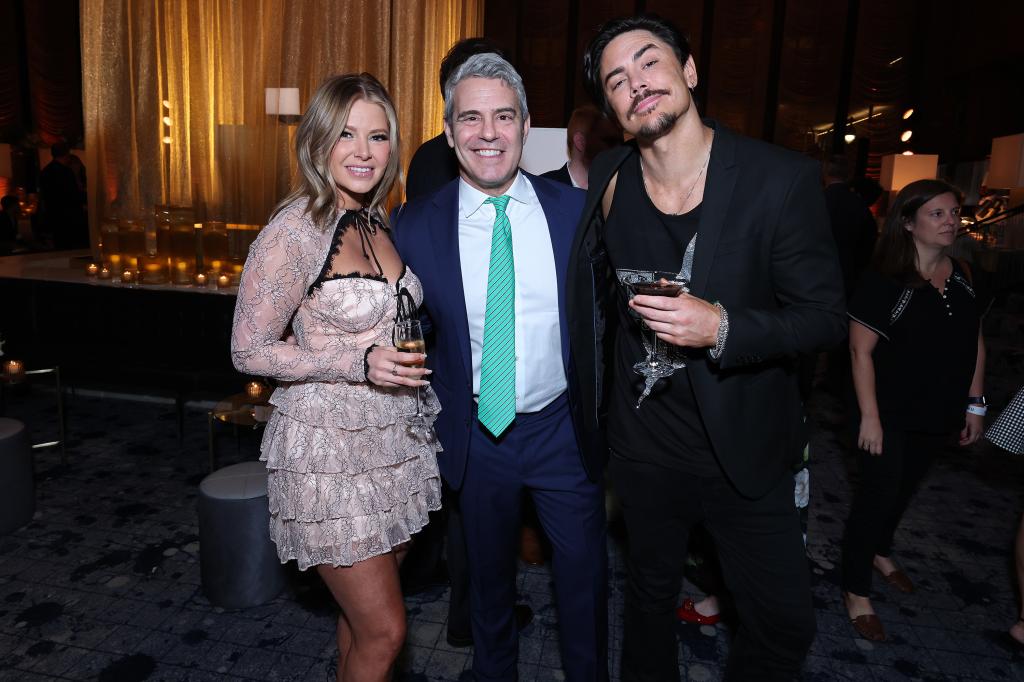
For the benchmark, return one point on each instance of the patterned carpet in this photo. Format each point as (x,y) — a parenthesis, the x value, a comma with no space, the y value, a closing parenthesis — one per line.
(104,583)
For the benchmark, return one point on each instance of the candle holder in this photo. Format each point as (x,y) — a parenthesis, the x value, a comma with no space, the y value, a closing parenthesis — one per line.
(104,272)
(92,270)
(128,277)
(223,281)
(254,389)
(201,280)
(14,371)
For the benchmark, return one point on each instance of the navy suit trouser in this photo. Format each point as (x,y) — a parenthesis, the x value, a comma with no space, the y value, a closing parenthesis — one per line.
(536,455)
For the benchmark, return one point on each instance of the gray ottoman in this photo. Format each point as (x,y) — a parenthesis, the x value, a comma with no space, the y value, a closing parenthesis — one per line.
(237,560)
(17,489)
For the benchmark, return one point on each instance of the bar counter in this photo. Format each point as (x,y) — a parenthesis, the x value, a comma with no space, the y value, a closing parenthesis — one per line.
(102,333)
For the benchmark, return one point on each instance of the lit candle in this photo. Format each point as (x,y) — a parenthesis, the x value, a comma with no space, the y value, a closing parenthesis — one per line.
(254,389)
(200,279)
(104,272)
(92,269)
(14,370)
(127,277)
(223,281)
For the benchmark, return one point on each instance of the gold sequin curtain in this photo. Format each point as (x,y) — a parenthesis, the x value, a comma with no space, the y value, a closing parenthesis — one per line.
(174,91)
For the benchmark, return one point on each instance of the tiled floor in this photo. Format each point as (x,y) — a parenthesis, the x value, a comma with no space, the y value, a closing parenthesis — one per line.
(105,581)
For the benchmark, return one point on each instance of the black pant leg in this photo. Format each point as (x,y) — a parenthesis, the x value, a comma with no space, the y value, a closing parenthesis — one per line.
(871,511)
(918,452)
(458,571)
(658,509)
(764,565)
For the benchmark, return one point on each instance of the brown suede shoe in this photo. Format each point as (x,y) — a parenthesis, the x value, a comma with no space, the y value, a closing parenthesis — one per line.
(898,579)
(869,627)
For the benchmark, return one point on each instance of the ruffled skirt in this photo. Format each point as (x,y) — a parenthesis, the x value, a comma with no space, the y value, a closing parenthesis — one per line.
(343,488)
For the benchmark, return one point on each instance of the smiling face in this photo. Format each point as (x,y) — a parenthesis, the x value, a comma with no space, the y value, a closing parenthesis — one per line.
(646,87)
(936,222)
(487,132)
(360,156)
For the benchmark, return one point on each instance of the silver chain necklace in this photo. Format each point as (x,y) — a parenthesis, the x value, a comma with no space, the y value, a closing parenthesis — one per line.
(700,174)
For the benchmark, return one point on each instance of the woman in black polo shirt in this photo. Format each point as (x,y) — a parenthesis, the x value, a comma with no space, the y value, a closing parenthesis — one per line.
(918,369)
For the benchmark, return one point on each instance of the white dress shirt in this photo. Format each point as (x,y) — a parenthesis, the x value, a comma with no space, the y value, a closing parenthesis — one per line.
(540,375)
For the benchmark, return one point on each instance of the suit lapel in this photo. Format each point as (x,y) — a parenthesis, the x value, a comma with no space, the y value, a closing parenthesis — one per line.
(444,233)
(560,227)
(722,173)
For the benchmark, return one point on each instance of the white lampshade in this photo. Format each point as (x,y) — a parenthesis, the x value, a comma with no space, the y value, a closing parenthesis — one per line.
(283,101)
(899,170)
(1006,168)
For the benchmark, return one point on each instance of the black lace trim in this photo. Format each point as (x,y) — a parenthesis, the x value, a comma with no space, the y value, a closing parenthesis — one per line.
(365,222)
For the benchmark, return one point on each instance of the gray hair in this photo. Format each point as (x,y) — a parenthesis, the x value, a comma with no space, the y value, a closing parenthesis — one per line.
(485,65)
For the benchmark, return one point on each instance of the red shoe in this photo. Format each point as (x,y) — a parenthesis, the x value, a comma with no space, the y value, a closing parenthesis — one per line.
(688,614)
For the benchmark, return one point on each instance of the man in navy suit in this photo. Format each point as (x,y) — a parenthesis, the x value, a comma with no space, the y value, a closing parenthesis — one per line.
(491,250)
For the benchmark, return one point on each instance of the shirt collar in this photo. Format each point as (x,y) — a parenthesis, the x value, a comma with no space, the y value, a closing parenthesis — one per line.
(471,199)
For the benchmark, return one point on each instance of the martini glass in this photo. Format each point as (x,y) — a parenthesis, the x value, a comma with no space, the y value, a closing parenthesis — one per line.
(657,365)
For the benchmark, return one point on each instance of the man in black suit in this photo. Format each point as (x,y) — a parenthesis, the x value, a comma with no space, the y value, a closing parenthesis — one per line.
(717,441)
(588,134)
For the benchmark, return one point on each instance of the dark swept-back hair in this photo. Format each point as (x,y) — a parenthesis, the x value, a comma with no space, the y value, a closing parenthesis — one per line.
(662,29)
(463,50)
(895,253)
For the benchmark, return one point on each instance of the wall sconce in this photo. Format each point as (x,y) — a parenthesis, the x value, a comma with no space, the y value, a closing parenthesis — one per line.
(283,103)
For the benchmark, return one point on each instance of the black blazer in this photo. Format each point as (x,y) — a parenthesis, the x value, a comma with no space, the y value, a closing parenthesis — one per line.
(559,175)
(765,251)
(426,234)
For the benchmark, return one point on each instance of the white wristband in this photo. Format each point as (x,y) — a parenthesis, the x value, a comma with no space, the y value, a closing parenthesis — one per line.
(979,410)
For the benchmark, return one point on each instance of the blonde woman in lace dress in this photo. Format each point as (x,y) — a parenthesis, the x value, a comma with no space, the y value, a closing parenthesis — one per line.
(349,484)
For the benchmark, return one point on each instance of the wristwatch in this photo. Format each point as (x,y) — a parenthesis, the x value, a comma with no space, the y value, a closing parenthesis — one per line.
(977,400)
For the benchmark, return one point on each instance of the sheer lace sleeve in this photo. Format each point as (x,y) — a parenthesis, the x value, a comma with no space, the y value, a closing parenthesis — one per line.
(281,263)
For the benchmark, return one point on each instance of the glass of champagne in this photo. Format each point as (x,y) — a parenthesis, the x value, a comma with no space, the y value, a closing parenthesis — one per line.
(409,339)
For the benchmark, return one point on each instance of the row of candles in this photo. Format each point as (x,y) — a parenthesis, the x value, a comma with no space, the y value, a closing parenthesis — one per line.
(129,276)
(14,371)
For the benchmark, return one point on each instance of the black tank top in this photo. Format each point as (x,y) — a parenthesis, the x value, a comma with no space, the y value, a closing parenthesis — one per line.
(667,428)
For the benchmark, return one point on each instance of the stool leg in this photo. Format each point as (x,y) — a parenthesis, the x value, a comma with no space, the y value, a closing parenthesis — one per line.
(61,424)
(213,455)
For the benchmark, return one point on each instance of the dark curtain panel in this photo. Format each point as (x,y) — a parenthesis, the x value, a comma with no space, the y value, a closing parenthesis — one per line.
(741,40)
(12,104)
(54,70)
(809,76)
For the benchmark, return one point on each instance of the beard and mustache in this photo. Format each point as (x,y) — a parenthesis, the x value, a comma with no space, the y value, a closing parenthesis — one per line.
(663,122)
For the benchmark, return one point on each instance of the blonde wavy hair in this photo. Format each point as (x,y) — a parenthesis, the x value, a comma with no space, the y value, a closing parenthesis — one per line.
(321,127)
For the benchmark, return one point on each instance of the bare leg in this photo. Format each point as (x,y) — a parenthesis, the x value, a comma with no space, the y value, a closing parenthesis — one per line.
(884,564)
(708,606)
(374,617)
(1017,630)
(857,605)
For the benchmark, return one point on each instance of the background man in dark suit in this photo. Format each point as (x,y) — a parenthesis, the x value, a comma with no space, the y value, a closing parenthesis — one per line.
(491,250)
(588,134)
(717,441)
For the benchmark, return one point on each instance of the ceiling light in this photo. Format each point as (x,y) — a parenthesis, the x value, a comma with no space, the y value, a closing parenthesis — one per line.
(849,137)
(908,153)
(908,113)
(907,134)
(167,121)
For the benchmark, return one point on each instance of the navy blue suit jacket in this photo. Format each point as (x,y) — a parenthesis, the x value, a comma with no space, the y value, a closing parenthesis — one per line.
(426,233)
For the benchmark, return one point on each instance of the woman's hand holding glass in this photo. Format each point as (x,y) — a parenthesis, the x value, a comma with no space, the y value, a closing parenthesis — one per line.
(389,368)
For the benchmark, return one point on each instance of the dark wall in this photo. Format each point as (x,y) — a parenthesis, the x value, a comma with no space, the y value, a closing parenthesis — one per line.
(40,72)
(783,69)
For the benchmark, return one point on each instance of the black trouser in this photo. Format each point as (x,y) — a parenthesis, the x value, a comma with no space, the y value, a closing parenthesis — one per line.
(887,482)
(764,565)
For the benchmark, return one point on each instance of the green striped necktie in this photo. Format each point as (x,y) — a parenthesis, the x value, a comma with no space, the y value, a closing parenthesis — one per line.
(497,406)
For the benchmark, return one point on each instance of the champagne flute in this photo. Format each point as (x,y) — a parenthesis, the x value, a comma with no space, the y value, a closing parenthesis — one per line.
(409,339)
